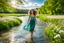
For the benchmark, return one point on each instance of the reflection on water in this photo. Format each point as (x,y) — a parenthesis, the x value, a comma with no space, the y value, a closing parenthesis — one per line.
(18,35)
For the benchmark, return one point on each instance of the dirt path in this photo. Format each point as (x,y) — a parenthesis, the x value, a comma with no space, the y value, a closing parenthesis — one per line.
(56,17)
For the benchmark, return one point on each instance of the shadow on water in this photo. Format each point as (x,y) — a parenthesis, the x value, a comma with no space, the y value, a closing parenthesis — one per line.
(19,35)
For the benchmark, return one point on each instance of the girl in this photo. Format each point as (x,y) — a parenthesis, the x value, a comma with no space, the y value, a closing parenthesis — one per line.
(31,21)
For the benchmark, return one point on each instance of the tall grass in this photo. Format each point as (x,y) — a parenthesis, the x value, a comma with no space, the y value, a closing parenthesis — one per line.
(2,15)
(54,29)
(7,24)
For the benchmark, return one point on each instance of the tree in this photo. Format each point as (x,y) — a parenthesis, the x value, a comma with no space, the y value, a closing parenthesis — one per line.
(53,7)
(4,6)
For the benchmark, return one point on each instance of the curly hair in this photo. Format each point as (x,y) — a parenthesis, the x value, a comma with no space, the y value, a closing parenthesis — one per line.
(34,12)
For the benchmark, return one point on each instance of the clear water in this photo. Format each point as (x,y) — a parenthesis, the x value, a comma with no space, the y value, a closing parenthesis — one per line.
(19,35)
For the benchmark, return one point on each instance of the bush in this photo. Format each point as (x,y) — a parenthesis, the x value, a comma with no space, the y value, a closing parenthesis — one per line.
(19,20)
(55,29)
(10,24)
(52,31)
(3,26)
(16,22)
(7,24)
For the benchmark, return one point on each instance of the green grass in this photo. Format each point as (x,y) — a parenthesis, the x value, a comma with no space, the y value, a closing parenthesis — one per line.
(2,15)
(54,29)
(8,21)
(7,24)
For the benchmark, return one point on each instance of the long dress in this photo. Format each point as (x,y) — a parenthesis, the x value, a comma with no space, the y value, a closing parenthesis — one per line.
(31,25)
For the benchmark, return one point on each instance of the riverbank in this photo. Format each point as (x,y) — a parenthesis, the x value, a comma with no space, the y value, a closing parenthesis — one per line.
(18,34)
(4,14)
(55,28)
(6,23)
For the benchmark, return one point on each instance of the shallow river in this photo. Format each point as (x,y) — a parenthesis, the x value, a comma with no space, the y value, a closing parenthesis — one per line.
(19,35)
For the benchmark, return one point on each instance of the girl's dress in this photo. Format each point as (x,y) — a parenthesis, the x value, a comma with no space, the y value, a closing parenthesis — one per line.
(31,25)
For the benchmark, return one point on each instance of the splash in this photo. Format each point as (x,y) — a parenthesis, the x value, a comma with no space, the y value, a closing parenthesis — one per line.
(12,38)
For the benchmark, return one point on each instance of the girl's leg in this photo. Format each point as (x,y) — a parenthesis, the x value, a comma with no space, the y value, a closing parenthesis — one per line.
(31,35)
(31,39)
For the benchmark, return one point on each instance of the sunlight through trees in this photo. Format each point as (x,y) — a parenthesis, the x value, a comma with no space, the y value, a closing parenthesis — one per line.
(53,7)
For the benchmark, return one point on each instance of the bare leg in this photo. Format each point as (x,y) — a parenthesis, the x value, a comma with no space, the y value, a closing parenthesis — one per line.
(31,38)
(31,35)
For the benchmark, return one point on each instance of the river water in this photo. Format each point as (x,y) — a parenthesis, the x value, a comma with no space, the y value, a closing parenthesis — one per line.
(19,35)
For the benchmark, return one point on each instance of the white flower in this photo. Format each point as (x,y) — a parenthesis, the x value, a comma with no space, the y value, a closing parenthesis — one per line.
(61,31)
(57,36)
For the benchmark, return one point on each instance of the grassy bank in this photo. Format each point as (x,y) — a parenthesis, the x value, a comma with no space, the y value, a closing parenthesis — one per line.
(54,29)
(2,15)
(8,22)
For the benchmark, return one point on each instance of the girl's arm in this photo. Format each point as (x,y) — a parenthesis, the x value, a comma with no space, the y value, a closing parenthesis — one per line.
(28,16)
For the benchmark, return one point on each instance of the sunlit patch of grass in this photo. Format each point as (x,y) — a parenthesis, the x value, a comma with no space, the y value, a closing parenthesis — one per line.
(2,15)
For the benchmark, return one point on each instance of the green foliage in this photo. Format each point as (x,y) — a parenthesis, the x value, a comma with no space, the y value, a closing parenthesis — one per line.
(52,7)
(19,19)
(4,6)
(42,17)
(3,26)
(7,24)
(16,22)
(3,15)
(10,23)
(54,29)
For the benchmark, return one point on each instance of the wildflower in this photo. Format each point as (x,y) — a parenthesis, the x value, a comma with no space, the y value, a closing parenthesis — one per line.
(57,36)
(61,31)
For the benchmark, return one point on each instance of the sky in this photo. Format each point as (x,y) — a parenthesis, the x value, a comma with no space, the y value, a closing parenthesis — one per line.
(35,1)
(27,4)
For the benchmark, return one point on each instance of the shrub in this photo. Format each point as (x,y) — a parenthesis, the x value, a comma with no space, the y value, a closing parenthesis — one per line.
(3,26)
(55,29)
(7,24)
